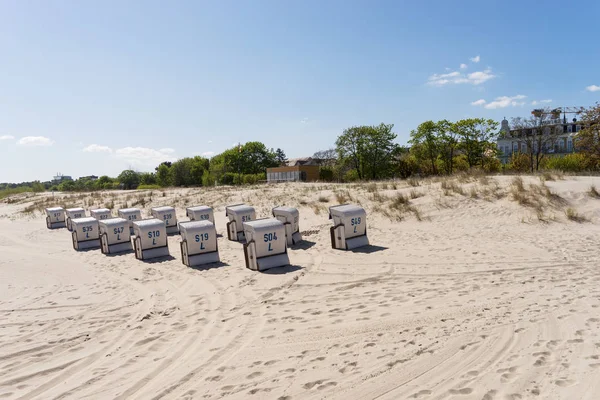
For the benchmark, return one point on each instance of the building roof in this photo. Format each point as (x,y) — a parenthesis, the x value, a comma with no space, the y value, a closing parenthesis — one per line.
(293,162)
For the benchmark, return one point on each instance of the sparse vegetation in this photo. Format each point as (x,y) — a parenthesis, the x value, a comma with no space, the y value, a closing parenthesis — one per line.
(324,199)
(414,194)
(413,182)
(593,192)
(573,215)
(371,187)
(449,185)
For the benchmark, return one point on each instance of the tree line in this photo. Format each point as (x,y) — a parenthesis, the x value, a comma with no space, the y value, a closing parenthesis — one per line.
(370,152)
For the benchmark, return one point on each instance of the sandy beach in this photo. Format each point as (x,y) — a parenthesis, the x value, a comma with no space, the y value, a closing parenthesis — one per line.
(467,292)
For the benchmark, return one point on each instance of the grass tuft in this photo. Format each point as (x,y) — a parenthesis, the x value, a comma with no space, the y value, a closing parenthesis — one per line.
(573,215)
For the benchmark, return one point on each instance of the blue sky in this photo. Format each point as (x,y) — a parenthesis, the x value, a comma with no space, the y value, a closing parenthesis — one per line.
(90,87)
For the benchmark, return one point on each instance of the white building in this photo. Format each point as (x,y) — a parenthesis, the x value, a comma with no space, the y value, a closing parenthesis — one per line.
(511,140)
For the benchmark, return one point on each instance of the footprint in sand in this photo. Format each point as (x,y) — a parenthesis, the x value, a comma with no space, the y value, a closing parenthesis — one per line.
(490,395)
(462,391)
(310,385)
(327,385)
(421,394)
(254,375)
(565,382)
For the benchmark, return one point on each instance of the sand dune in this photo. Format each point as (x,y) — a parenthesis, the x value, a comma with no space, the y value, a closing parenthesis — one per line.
(461,296)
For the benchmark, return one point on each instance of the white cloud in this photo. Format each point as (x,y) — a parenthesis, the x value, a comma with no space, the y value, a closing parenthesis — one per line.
(35,141)
(503,102)
(463,66)
(546,101)
(456,77)
(533,103)
(96,148)
(479,102)
(475,59)
(304,120)
(210,141)
(6,137)
(208,154)
(480,76)
(144,156)
(593,88)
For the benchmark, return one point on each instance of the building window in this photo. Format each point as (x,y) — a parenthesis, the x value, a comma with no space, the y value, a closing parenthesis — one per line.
(523,147)
(570,128)
(577,128)
(515,147)
(569,145)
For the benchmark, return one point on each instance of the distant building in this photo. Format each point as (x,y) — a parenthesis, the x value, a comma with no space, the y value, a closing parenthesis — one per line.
(91,177)
(304,169)
(510,140)
(58,178)
(294,162)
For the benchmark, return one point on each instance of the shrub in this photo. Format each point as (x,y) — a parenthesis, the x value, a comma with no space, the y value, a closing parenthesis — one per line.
(569,163)
(519,162)
(326,174)
(460,163)
(415,194)
(400,201)
(518,184)
(146,187)
(572,215)
(593,192)
(413,182)
(493,165)
(342,197)
(405,168)
(351,176)
(324,199)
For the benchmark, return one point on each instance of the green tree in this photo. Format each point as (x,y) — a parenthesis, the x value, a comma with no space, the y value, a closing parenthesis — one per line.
(469,139)
(198,166)
(104,182)
(426,143)
(163,175)
(448,141)
(129,179)
(281,157)
(66,186)
(180,172)
(37,187)
(350,146)
(488,134)
(379,149)
(251,158)
(147,178)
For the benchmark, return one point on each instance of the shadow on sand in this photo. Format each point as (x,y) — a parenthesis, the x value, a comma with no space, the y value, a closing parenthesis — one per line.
(159,260)
(369,249)
(303,245)
(206,267)
(282,270)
